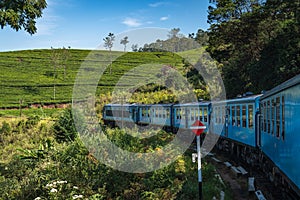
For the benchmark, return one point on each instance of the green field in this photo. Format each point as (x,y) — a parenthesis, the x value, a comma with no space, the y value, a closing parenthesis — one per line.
(42,148)
(31,75)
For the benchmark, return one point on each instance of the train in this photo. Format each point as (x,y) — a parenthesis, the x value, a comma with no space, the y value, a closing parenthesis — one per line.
(262,129)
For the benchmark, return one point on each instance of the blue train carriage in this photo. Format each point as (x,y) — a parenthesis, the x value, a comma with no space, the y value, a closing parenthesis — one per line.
(240,117)
(156,114)
(218,117)
(186,114)
(120,114)
(280,128)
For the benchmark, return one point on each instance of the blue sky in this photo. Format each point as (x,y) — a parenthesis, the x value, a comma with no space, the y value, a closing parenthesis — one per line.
(84,23)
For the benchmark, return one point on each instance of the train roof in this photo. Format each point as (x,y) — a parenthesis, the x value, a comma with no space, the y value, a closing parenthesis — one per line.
(202,103)
(251,98)
(285,85)
(119,104)
(159,104)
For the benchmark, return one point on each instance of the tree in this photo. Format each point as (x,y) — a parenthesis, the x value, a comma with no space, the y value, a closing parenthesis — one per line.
(135,47)
(124,41)
(21,14)
(108,44)
(55,56)
(246,37)
(65,57)
(201,37)
(173,33)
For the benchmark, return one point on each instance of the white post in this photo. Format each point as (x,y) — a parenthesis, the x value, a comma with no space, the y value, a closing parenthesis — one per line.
(222,195)
(199,167)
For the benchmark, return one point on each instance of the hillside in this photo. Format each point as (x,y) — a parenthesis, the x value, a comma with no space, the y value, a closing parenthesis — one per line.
(32,75)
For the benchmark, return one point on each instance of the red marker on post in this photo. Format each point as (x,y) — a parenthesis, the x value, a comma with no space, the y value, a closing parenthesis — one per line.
(198,128)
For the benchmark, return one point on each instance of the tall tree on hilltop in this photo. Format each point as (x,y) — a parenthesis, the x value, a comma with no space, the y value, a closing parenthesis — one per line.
(124,41)
(173,33)
(174,38)
(108,44)
(21,14)
(201,37)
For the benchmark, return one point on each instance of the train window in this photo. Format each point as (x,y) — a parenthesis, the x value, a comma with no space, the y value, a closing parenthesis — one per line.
(261,125)
(148,112)
(283,118)
(268,115)
(193,113)
(200,115)
(180,113)
(244,116)
(223,114)
(250,116)
(109,113)
(238,116)
(120,113)
(262,117)
(233,115)
(168,113)
(216,115)
(228,113)
(177,113)
(273,117)
(205,114)
(277,117)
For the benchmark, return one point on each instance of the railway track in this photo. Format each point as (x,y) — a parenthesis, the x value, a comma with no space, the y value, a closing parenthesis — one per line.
(239,182)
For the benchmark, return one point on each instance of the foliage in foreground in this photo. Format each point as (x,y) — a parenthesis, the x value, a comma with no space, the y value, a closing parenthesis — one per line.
(42,168)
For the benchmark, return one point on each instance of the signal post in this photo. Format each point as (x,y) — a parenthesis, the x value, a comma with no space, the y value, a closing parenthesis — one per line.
(198,127)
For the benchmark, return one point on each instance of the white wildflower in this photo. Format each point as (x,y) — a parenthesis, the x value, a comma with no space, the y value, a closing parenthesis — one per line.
(77,196)
(75,187)
(61,182)
(49,185)
(38,198)
(53,190)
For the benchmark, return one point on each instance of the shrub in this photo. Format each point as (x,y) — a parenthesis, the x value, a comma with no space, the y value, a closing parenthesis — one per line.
(32,121)
(64,128)
(6,128)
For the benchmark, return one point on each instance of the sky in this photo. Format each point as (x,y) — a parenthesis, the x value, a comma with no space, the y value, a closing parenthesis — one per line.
(82,24)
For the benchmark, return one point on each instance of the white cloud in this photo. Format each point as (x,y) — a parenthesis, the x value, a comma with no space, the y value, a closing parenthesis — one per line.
(157,4)
(131,22)
(164,18)
(47,25)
